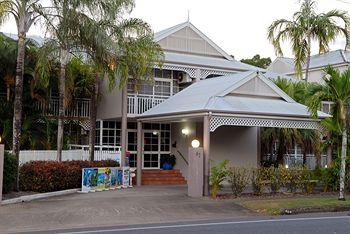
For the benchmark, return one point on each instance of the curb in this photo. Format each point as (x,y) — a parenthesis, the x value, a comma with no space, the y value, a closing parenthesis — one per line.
(306,210)
(33,197)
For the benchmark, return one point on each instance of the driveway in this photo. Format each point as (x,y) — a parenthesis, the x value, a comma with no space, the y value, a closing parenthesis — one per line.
(141,205)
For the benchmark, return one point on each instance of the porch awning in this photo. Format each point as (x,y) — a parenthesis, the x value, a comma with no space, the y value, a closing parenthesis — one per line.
(242,99)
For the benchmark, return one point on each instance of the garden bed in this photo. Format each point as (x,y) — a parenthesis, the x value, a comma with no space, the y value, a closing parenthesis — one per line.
(295,204)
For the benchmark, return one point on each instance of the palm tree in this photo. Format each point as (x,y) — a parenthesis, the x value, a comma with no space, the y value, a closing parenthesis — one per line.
(307,26)
(25,13)
(133,55)
(337,90)
(63,20)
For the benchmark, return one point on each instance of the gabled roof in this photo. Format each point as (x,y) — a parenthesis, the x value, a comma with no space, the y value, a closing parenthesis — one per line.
(212,62)
(248,93)
(335,57)
(167,32)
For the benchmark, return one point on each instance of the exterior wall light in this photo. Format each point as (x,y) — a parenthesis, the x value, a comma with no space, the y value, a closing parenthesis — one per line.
(325,166)
(185,131)
(195,143)
(155,133)
(286,166)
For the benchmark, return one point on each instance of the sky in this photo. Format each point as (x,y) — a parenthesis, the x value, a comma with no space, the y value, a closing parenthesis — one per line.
(238,26)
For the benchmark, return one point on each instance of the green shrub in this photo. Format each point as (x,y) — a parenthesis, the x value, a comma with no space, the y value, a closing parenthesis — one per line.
(274,177)
(48,176)
(329,178)
(239,179)
(10,172)
(308,181)
(292,178)
(218,174)
(258,177)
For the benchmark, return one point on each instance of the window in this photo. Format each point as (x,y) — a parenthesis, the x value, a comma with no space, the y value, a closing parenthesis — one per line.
(326,107)
(110,133)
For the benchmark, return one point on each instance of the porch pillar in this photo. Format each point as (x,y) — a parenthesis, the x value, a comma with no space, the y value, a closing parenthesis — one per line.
(124,125)
(139,154)
(206,150)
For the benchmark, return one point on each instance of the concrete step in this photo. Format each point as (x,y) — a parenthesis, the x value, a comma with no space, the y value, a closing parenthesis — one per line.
(163,182)
(162,177)
(161,171)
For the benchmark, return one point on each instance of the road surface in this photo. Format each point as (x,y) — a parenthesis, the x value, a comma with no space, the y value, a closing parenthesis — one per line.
(334,223)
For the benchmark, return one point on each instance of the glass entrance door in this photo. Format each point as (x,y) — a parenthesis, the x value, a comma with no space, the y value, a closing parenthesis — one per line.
(151,150)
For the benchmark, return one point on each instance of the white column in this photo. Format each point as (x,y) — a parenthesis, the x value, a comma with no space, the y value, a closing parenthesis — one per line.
(139,154)
(101,133)
(124,125)
(206,150)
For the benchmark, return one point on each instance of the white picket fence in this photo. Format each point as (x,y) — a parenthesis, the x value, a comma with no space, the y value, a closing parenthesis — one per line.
(67,155)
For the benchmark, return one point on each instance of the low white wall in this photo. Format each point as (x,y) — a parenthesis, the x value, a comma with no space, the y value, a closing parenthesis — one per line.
(67,155)
(237,144)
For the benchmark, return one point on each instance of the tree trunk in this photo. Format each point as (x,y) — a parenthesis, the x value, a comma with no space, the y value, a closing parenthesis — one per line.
(61,108)
(329,152)
(343,163)
(124,124)
(93,114)
(308,60)
(18,105)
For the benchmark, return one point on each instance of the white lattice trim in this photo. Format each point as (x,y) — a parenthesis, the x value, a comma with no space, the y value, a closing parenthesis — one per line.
(217,121)
(204,73)
(191,71)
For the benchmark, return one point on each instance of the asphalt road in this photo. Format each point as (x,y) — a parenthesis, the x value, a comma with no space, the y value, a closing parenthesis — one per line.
(335,223)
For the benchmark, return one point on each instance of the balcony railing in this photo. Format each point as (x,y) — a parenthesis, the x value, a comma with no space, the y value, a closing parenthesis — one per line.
(138,104)
(79,108)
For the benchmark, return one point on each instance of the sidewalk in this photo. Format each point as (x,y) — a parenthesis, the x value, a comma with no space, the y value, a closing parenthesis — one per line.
(142,205)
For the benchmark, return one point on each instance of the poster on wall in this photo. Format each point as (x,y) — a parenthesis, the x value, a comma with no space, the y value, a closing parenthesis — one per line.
(105,178)
(89,178)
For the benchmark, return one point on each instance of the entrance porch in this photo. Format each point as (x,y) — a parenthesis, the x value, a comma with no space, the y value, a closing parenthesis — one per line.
(225,115)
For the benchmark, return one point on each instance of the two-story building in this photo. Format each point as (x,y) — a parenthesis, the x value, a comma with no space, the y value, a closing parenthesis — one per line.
(190,56)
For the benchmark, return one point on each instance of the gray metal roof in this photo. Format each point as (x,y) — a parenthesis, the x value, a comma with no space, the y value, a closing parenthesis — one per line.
(212,95)
(275,75)
(330,58)
(334,57)
(197,60)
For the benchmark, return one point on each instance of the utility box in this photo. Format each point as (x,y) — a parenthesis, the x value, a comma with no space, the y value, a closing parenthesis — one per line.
(195,172)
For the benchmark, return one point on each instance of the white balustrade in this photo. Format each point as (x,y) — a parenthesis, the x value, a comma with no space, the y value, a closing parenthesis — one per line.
(138,104)
(79,108)
(77,152)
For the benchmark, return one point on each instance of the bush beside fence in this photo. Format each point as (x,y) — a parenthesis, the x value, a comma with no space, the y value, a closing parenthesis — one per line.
(10,171)
(49,176)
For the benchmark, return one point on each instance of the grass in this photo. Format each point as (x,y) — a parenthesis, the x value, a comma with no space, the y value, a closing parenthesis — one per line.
(274,206)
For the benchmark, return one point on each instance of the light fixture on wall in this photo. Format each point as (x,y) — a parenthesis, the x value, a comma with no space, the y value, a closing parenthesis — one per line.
(155,133)
(185,131)
(195,143)
(286,166)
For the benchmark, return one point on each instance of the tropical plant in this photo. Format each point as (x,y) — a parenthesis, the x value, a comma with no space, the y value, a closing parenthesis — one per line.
(218,174)
(275,179)
(25,14)
(258,180)
(337,90)
(307,26)
(239,179)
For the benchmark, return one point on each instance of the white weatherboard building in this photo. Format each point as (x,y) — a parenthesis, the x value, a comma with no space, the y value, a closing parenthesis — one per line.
(339,59)
(200,93)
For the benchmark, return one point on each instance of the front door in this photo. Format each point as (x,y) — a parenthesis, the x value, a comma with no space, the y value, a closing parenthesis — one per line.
(151,150)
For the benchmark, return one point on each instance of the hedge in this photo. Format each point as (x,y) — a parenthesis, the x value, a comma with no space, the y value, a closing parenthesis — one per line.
(49,176)
(10,171)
